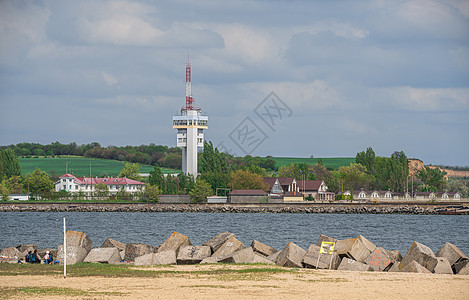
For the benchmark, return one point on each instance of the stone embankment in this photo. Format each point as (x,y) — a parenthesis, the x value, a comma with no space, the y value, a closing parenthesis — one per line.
(354,254)
(417,209)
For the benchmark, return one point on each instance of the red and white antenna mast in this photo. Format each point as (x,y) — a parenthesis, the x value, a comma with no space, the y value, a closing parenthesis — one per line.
(189,99)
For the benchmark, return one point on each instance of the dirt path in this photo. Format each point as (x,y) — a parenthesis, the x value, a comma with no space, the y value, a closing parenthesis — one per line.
(292,285)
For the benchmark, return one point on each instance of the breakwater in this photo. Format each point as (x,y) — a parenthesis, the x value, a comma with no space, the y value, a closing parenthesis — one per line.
(414,209)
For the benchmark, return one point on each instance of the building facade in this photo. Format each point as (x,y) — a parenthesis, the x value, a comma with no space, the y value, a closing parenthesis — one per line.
(73,184)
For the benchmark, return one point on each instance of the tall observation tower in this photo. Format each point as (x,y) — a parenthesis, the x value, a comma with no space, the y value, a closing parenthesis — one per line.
(190,125)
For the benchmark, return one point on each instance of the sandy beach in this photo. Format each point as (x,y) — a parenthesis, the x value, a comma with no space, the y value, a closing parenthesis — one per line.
(194,282)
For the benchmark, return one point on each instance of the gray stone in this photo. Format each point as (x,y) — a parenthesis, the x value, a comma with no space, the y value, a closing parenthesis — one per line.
(103,255)
(413,267)
(273,257)
(78,247)
(422,254)
(189,255)
(217,241)
(395,255)
(442,266)
(358,248)
(26,247)
(291,256)
(259,259)
(12,253)
(379,260)
(230,246)
(110,243)
(395,267)
(134,250)
(262,248)
(245,255)
(174,242)
(310,259)
(452,253)
(325,238)
(211,260)
(165,258)
(462,267)
(122,254)
(342,247)
(145,260)
(348,264)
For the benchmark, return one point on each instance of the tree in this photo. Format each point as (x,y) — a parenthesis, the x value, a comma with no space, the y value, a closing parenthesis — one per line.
(173,160)
(246,180)
(186,183)
(200,191)
(39,182)
(9,164)
(14,184)
(320,172)
(367,159)
(433,178)
(156,177)
(295,170)
(268,163)
(131,171)
(213,167)
(4,192)
(152,193)
(354,176)
(398,171)
(101,190)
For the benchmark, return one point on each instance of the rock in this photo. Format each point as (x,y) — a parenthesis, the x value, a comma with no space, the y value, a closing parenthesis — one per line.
(291,256)
(110,243)
(259,259)
(174,242)
(325,238)
(461,268)
(379,260)
(122,254)
(310,259)
(358,249)
(26,247)
(348,264)
(165,258)
(273,257)
(134,250)
(11,253)
(262,249)
(145,260)
(230,246)
(395,255)
(413,267)
(211,260)
(442,266)
(342,247)
(422,254)
(245,255)
(78,247)
(395,267)
(217,241)
(452,253)
(189,255)
(103,255)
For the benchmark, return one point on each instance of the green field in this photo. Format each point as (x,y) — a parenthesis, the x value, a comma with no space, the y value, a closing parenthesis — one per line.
(79,166)
(332,162)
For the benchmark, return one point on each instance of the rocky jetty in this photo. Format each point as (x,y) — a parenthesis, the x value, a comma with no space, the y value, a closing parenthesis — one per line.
(333,208)
(354,254)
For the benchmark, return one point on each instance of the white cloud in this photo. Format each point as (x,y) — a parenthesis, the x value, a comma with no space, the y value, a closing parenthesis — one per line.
(110,80)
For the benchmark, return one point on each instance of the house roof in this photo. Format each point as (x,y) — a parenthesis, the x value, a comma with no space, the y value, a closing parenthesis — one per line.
(309,185)
(105,180)
(67,175)
(248,193)
(281,180)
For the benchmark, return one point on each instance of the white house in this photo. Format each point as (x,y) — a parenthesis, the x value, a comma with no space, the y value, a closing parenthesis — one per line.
(73,184)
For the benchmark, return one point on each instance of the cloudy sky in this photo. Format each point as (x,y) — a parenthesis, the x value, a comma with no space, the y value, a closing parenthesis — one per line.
(393,75)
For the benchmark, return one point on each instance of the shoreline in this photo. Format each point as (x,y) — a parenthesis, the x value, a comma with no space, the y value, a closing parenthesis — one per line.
(310,208)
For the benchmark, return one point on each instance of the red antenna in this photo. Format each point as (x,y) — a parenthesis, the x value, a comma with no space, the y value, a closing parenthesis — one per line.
(189,99)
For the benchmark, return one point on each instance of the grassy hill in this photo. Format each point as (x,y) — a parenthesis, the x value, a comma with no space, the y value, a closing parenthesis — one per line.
(80,166)
(332,162)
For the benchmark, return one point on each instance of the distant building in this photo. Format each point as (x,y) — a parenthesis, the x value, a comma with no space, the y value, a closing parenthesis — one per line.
(73,184)
(248,196)
(290,187)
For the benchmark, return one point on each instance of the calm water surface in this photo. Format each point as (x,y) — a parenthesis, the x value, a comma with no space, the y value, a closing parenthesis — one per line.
(389,231)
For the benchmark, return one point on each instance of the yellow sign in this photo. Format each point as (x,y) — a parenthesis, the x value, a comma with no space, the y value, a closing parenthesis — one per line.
(327,247)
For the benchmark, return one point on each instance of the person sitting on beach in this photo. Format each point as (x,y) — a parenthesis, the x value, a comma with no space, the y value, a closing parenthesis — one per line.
(26,257)
(34,258)
(48,257)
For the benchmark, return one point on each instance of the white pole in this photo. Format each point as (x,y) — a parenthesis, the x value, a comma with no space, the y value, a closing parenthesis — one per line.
(65,251)
(330,263)
(317,264)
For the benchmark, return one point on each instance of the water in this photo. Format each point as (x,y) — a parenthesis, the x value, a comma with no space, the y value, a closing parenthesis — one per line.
(393,232)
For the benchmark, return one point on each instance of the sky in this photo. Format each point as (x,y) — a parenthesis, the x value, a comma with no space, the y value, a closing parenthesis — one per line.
(280,78)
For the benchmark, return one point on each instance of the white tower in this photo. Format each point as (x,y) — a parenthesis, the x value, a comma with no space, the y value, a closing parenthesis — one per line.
(190,125)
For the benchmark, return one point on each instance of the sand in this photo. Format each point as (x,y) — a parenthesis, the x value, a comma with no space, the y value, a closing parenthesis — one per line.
(298,284)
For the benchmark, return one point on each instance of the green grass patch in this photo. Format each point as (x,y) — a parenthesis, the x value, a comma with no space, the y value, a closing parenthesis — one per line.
(6,293)
(329,162)
(80,166)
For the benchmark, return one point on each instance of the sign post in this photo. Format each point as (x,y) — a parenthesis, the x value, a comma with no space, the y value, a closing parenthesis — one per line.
(326,247)
(65,250)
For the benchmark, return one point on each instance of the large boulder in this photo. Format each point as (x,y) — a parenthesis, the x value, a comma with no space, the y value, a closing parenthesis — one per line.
(325,238)
(259,259)
(422,254)
(452,253)
(462,267)
(245,255)
(413,267)
(11,253)
(442,266)
(103,255)
(291,256)
(174,242)
(273,257)
(379,260)
(189,255)
(230,246)
(165,258)
(78,247)
(26,247)
(217,241)
(134,250)
(110,243)
(348,264)
(310,259)
(262,249)
(145,260)
(395,255)
(358,248)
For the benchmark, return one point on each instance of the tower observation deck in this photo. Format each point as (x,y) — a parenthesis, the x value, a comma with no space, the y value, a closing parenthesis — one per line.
(190,125)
